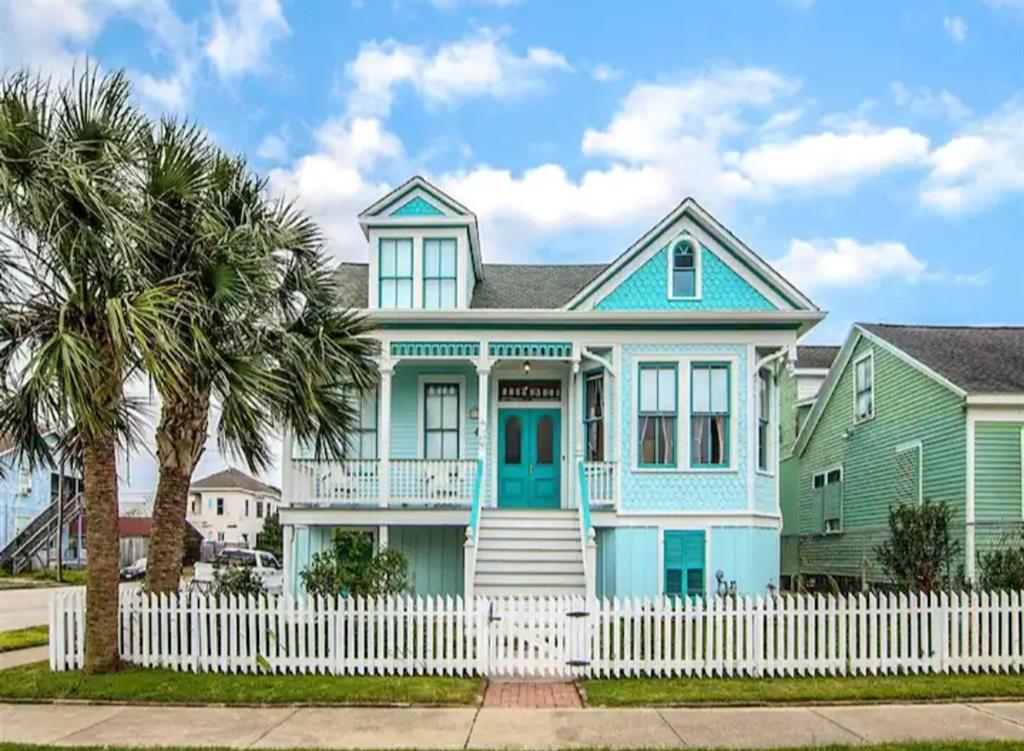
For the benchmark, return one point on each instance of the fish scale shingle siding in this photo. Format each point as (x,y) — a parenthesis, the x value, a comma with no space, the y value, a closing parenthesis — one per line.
(909,406)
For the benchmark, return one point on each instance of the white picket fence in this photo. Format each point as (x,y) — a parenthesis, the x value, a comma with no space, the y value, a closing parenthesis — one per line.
(560,636)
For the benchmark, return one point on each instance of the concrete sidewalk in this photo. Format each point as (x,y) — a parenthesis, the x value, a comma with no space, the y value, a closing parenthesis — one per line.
(289,727)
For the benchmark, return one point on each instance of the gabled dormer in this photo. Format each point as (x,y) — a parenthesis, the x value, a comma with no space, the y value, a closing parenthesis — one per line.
(424,249)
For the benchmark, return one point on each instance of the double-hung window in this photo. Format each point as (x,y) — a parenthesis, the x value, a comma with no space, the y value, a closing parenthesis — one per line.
(864,387)
(441,421)
(439,276)
(657,415)
(593,418)
(395,273)
(828,490)
(220,507)
(684,268)
(362,440)
(763,421)
(709,415)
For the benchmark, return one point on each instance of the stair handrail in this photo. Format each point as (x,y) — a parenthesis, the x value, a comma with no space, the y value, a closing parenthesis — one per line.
(473,530)
(588,535)
(40,526)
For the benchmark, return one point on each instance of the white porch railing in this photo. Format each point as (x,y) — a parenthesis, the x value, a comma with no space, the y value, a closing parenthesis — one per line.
(448,481)
(346,481)
(602,480)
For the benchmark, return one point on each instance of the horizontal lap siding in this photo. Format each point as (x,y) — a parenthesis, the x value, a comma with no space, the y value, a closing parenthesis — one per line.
(997,471)
(909,406)
(406,401)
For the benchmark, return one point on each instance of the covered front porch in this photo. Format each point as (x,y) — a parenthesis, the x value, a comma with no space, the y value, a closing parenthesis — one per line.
(485,424)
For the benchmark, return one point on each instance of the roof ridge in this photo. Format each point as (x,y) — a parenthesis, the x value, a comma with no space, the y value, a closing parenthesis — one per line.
(998,326)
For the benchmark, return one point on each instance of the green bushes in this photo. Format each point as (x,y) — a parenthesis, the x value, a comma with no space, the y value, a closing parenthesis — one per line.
(352,567)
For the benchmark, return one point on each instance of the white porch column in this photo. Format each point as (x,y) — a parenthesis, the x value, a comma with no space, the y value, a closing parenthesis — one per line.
(384,431)
(287,471)
(576,433)
(483,407)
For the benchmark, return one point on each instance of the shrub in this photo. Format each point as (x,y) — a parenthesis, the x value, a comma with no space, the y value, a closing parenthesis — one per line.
(1002,569)
(237,580)
(920,553)
(271,538)
(352,567)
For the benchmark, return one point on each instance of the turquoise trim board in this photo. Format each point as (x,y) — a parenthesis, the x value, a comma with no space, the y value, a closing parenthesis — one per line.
(458,350)
(647,288)
(417,207)
(534,350)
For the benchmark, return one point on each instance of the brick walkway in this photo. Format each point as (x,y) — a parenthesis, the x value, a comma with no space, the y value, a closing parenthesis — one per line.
(531,695)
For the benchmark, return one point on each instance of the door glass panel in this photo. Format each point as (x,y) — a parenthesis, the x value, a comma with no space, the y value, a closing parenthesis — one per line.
(545,441)
(513,441)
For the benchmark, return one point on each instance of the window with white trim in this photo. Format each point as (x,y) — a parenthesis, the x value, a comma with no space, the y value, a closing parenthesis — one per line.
(709,414)
(828,494)
(441,421)
(439,273)
(656,416)
(864,387)
(395,271)
(593,416)
(764,411)
(683,267)
(362,439)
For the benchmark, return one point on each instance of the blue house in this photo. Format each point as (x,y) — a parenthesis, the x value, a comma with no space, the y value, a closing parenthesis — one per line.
(607,429)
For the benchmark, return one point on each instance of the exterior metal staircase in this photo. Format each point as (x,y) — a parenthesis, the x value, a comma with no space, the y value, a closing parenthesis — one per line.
(529,552)
(39,536)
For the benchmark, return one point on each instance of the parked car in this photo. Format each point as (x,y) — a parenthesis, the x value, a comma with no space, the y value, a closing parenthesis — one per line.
(265,564)
(134,572)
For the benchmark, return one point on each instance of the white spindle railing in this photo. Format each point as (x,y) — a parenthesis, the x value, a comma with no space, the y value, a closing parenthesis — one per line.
(433,480)
(347,481)
(602,479)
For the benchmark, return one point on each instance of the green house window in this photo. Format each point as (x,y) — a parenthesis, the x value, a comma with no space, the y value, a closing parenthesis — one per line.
(828,493)
(684,562)
(441,421)
(439,273)
(709,414)
(657,414)
(864,387)
(362,440)
(395,273)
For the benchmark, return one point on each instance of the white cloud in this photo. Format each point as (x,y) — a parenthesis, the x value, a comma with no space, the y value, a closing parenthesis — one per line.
(956,27)
(273,148)
(782,120)
(477,66)
(923,102)
(834,160)
(606,73)
(845,262)
(241,42)
(979,165)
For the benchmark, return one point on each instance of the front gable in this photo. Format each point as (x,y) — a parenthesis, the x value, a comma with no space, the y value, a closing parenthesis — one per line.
(729,276)
(417,206)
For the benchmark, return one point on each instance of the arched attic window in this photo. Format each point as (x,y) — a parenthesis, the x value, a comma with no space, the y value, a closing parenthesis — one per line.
(684,266)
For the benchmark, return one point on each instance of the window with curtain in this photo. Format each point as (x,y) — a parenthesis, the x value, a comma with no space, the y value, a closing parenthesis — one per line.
(709,414)
(684,268)
(362,441)
(864,387)
(439,273)
(657,415)
(396,273)
(764,406)
(593,417)
(441,421)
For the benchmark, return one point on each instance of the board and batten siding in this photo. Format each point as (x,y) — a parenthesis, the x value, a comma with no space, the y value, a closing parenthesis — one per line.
(909,406)
(435,556)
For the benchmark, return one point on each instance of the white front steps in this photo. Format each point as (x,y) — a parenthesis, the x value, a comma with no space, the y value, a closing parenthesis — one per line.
(529,553)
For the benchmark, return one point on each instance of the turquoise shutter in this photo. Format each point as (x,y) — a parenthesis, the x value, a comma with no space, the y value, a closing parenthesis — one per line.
(684,562)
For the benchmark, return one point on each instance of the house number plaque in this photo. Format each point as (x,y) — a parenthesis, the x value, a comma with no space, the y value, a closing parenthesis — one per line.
(529,391)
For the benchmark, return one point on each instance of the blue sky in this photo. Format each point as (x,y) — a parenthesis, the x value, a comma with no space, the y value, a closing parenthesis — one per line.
(873,151)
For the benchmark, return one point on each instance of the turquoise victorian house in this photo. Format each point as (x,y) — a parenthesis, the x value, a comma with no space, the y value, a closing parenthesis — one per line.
(606,429)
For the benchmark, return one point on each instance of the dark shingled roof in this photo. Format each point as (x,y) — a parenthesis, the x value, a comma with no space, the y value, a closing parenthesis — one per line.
(978,359)
(231,479)
(816,355)
(512,286)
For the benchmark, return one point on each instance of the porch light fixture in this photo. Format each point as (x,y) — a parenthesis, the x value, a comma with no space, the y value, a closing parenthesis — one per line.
(526,367)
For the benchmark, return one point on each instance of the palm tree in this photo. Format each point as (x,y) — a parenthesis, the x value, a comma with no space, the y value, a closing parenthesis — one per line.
(78,317)
(267,342)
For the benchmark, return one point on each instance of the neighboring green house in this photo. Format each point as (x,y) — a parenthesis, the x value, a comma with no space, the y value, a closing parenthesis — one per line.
(799,385)
(908,413)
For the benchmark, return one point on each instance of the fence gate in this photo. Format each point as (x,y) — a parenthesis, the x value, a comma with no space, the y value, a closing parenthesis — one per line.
(538,637)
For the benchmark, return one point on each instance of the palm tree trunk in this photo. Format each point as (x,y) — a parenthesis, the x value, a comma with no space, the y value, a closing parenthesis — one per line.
(99,460)
(180,440)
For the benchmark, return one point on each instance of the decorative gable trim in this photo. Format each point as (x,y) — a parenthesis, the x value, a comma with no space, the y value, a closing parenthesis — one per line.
(417,206)
(710,232)
(844,360)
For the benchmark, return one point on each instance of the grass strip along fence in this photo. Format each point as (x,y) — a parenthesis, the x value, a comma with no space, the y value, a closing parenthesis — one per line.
(784,635)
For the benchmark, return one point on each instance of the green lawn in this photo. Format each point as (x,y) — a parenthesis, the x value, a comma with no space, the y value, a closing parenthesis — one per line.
(150,685)
(624,692)
(22,638)
(922,746)
(46,576)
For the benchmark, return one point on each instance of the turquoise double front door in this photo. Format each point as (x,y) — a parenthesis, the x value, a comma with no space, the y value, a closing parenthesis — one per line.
(529,458)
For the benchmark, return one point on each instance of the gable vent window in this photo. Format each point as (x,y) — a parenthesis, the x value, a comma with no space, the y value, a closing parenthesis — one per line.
(683,270)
